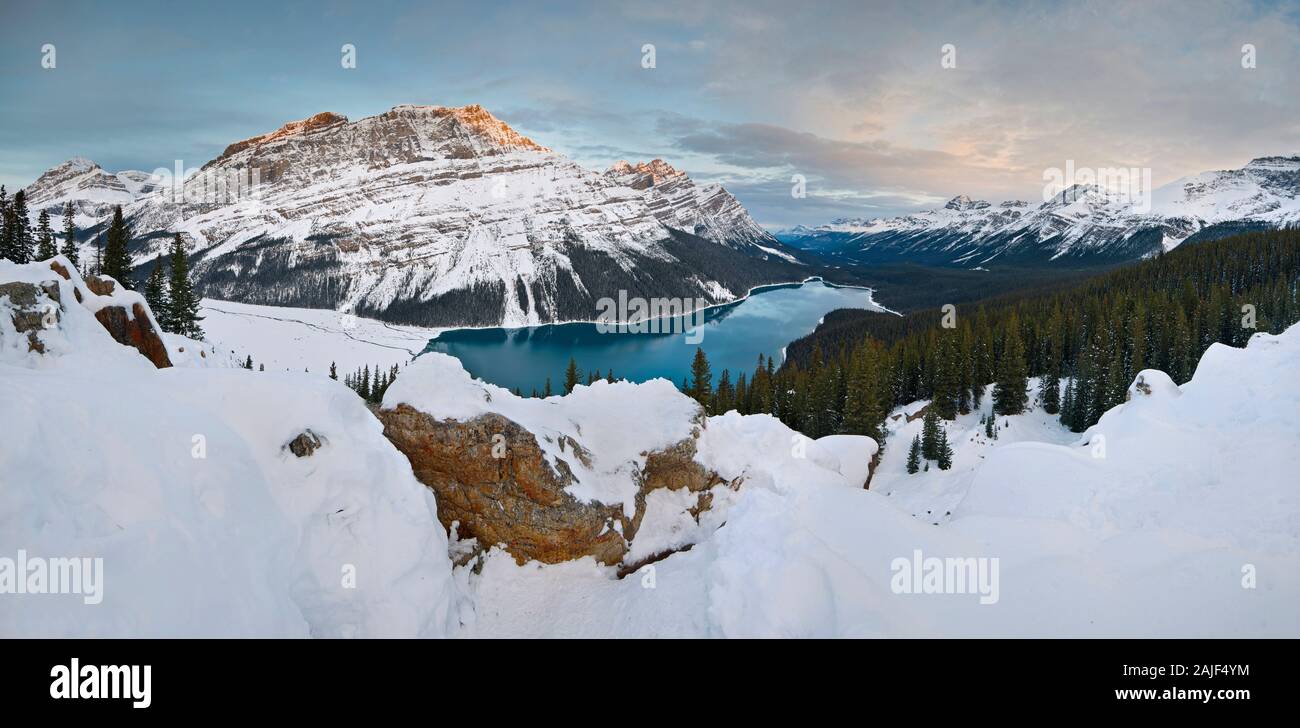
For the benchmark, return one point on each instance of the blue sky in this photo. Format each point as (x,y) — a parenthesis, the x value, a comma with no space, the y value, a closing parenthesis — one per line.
(851,95)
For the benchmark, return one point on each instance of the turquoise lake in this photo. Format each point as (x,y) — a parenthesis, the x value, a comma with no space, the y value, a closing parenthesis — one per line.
(732,336)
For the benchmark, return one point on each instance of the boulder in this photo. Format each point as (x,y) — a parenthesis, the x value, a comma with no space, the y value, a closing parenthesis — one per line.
(495,483)
(35,306)
(304,444)
(136,331)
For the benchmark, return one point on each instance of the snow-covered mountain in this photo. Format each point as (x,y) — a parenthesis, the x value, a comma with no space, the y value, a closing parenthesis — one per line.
(1083,223)
(92,191)
(709,211)
(446,216)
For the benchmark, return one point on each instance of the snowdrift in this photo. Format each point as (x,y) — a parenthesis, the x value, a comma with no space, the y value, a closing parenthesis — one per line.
(178,479)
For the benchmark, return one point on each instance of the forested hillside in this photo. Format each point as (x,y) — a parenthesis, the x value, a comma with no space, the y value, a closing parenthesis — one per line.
(1093,336)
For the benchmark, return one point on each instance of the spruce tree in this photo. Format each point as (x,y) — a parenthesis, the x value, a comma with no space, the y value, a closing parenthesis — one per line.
(1050,392)
(1010,397)
(5,242)
(334,372)
(930,434)
(914,455)
(571,376)
(18,240)
(45,247)
(943,450)
(701,378)
(248,363)
(69,249)
(724,398)
(947,375)
(155,293)
(117,262)
(183,312)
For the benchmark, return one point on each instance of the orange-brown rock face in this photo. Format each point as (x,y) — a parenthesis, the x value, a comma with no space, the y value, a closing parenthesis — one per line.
(493,480)
(135,331)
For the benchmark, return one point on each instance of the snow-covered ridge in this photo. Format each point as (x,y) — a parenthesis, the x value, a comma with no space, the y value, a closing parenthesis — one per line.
(439,216)
(1079,221)
(709,211)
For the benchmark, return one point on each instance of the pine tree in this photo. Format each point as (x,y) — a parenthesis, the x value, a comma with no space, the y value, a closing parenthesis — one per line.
(989,431)
(947,374)
(5,241)
(248,363)
(155,293)
(1050,392)
(69,249)
(914,456)
(117,262)
(1010,397)
(334,372)
(364,391)
(571,376)
(724,398)
(17,243)
(701,377)
(261,367)
(943,450)
(183,313)
(609,376)
(930,434)
(45,247)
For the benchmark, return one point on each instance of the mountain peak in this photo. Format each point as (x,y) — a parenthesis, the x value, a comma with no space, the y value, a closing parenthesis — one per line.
(294,128)
(649,174)
(477,121)
(963,203)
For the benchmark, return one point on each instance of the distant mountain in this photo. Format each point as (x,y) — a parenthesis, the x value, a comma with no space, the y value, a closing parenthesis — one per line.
(1082,224)
(438,216)
(92,191)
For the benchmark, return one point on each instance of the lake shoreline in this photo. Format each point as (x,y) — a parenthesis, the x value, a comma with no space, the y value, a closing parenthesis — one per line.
(753,290)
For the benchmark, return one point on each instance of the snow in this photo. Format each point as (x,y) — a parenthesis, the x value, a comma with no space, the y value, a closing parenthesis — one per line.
(1194,492)
(178,479)
(1086,217)
(1175,515)
(297,339)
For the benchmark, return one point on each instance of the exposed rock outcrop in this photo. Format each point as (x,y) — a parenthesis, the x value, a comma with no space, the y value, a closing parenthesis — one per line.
(135,331)
(493,479)
(39,306)
(35,307)
(304,444)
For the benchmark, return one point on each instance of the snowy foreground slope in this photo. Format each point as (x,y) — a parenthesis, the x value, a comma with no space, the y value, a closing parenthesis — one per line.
(1176,515)
(1193,492)
(177,478)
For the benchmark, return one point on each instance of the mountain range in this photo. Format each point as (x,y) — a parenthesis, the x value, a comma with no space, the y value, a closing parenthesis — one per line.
(431,215)
(1081,224)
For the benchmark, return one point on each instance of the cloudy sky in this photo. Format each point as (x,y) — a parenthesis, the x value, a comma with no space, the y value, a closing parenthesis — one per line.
(852,95)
